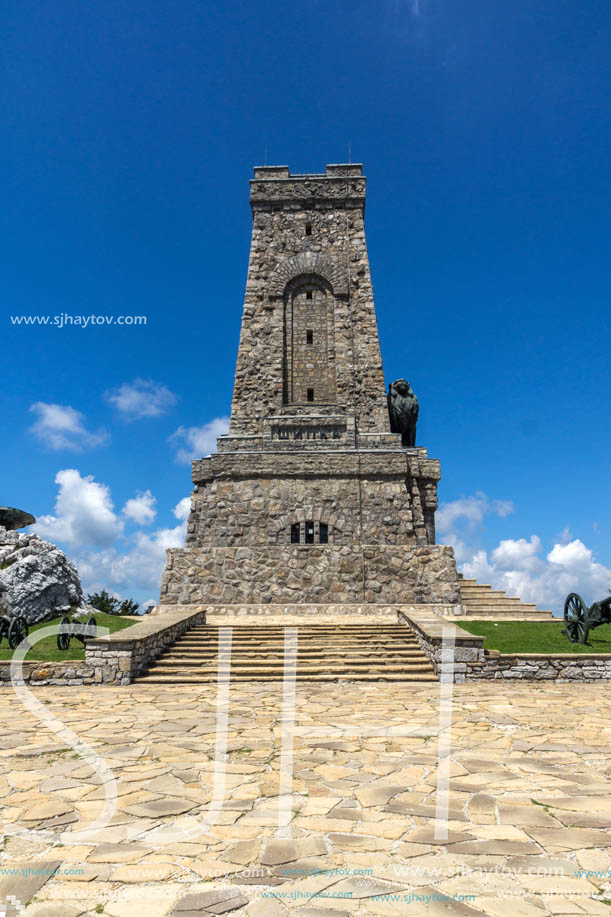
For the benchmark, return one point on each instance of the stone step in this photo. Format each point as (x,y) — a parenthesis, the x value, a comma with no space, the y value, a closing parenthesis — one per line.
(239,634)
(425,678)
(507,617)
(314,628)
(487,595)
(321,652)
(506,606)
(491,596)
(264,661)
(379,646)
(254,672)
(310,640)
(331,653)
(480,600)
(324,653)
(317,652)
(322,641)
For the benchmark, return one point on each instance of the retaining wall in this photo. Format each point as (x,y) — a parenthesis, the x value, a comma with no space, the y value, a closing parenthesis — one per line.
(116,659)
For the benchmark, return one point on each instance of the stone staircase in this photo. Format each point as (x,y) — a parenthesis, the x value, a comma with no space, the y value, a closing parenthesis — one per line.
(356,652)
(482,601)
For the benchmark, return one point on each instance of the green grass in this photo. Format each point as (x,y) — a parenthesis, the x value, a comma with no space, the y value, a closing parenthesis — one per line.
(47,651)
(536,637)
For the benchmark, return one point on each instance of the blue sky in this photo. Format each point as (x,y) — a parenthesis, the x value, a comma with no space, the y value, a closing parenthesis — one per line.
(130,133)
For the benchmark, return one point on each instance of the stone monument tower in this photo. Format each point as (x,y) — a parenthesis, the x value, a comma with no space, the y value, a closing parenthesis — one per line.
(310,502)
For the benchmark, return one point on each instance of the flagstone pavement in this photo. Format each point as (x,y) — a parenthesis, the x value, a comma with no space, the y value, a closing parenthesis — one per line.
(528,818)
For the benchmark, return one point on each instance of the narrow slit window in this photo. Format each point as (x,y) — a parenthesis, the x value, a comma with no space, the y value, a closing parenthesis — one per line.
(310,394)
(308,229)
(309,532)
(309,337)
(323,533)
(308,294)
(295,533)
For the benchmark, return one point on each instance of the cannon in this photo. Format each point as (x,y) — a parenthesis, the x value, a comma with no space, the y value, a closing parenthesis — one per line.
(14,629)
(70,630)
(580,620)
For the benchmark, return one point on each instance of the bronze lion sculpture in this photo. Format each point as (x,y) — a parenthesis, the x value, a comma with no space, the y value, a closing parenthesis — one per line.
(403,411)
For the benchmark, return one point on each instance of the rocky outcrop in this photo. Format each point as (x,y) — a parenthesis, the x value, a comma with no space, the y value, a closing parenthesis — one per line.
(36,579)
(12,518)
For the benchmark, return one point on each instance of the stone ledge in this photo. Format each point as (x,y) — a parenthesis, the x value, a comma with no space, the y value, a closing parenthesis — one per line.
(40,672)
(314,609)
(118,659)
(606,657)
(150,625)
(541,667)
(429,627)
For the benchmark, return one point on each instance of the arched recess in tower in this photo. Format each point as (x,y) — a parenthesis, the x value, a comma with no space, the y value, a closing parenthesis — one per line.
(309,352)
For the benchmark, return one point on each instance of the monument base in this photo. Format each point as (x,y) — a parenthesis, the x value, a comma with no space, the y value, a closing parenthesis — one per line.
(301,575)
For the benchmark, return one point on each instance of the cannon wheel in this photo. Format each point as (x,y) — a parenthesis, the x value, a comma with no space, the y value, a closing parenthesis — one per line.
(576,618)
(63,634)
(91,623)
(16,632)
(25,625)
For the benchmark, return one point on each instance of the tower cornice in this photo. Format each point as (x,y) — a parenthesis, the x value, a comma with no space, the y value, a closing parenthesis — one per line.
(342,184)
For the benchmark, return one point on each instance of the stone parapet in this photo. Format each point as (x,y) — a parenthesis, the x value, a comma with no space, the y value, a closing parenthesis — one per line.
(341,184)
(472,663)
(541,667)
(118,658)
(429,629)
(71,672)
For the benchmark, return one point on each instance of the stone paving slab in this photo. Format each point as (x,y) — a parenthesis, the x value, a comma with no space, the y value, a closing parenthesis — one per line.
(529,808)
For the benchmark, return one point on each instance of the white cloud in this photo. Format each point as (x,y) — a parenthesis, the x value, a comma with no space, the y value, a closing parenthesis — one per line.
(471,510)
(137,570)
(84,512)
(61,427)
(518,566)
(86,525)
(520,570)
(574,555)
(182,509)
(141,508)
(141,398)
(197,442)
(517,554)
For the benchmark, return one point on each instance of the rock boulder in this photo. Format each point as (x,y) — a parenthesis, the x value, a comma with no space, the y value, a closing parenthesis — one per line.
(12,518)
(36,579)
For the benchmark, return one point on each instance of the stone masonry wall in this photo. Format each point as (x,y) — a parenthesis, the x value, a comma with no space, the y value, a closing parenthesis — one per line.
(122,656)
(541,667)
(71,672)
(374,574)
(252,499)
(114,660)
(472,663)
(333,253)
